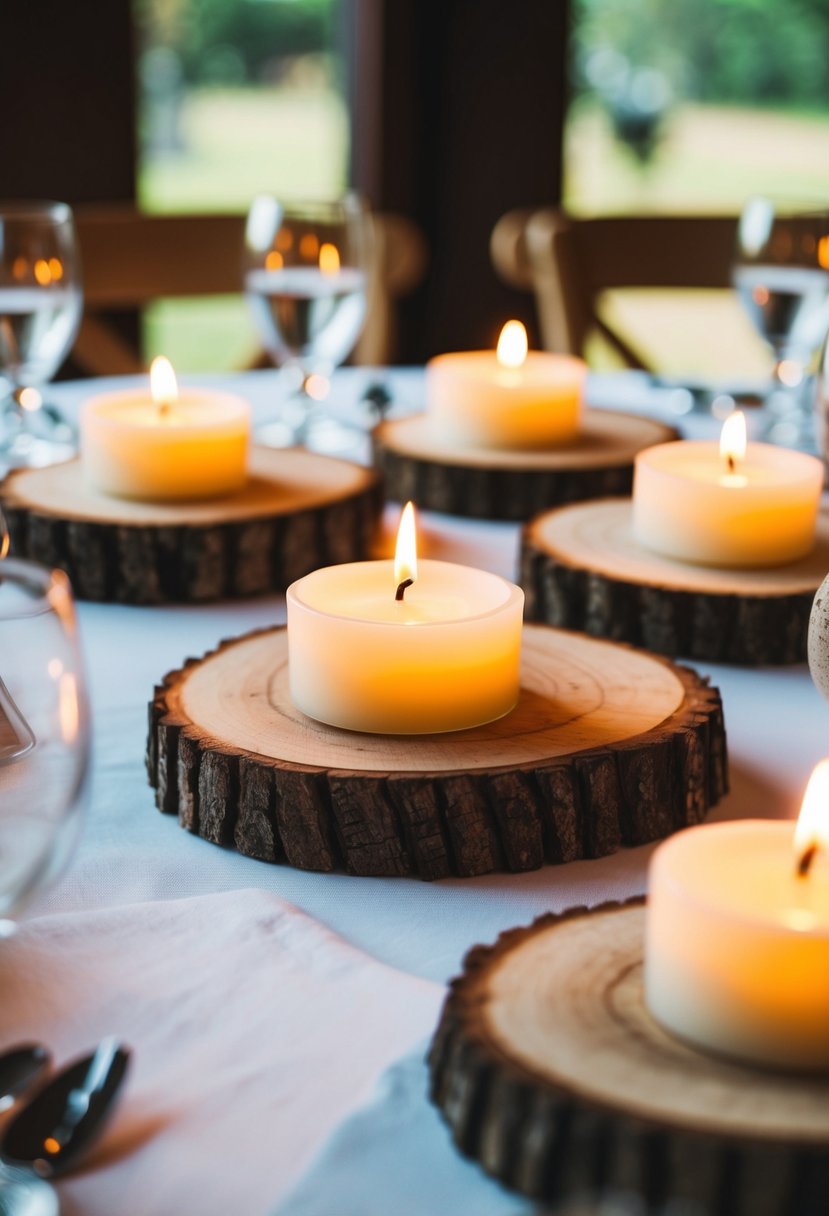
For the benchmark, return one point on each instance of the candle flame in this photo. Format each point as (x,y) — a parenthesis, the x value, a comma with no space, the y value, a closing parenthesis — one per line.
(329,259)
(733,439)
(405,553)
(163,386)
(512,345)
(812,830)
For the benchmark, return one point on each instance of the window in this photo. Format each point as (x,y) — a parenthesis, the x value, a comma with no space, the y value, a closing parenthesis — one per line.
(693,106)
(236,97)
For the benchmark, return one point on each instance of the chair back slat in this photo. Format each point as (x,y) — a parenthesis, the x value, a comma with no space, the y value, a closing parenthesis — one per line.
(569,262)
(130,259)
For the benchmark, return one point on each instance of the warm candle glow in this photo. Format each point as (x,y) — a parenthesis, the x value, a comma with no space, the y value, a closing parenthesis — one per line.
(405,553)
(812,830)
(512,345)
(733,439)
(725,504)
(163,386)
(30,399)
(329,259)
(823,252)
(317,387)
(309,244)
(68,707)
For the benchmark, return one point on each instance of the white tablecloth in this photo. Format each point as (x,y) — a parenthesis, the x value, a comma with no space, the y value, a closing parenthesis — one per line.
(778,727)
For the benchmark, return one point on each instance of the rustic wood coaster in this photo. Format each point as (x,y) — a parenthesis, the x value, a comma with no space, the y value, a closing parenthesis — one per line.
(298,511)
(607,747)
(512,485)
(553,1075)
(582,568)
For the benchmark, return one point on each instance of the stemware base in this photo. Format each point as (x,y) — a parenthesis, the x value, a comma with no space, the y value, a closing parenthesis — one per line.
(305,422)
(33,435)
(789,417)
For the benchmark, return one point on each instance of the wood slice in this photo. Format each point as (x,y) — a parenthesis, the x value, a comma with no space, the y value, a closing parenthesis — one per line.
(582,568)
(512,485)
(298,511)
(607,747)
(553,1075)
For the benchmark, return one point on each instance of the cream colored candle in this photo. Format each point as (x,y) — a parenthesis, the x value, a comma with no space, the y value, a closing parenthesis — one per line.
(441,654)
(737,938)
(732,504)
(509,398)
(166,444)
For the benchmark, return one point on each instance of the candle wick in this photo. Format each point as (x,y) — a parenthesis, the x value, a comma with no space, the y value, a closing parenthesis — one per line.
(804,865)
(401,590)
(163,409)
(731,463)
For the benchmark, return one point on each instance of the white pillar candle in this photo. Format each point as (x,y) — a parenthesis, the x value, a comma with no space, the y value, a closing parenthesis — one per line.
(730,504)
(509,398)
(737,938)
(165,444)
(444,657)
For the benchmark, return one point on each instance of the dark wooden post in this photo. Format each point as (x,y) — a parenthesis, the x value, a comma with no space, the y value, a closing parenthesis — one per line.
(67,96)
(457,112)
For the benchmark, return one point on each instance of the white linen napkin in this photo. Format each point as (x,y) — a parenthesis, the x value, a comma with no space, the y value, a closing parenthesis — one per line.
(362,1171)
(255,1031)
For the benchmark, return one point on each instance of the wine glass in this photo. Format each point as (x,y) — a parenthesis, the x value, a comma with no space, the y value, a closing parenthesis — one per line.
(44,731)
(306,276)
(40,310)
(781,275)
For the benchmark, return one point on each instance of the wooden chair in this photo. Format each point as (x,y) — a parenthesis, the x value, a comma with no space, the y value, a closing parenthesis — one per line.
(130,260)
(571,263)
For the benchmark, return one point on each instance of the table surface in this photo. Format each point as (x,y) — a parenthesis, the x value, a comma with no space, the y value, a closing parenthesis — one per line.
(129,853)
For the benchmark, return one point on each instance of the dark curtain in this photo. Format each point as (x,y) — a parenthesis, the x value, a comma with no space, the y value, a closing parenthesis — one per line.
(67,100)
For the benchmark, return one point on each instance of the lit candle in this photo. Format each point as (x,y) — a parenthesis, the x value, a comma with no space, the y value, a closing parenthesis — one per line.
(737,938)
(732,504)
(509,398)
(404,647)
(167,444)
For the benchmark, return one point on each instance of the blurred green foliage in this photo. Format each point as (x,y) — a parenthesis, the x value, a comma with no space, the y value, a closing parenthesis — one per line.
(223,42)
(761,52)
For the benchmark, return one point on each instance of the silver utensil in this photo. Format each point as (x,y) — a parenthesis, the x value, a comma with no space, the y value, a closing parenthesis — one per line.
(22,1193)
(67,1114)
(20,1067)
